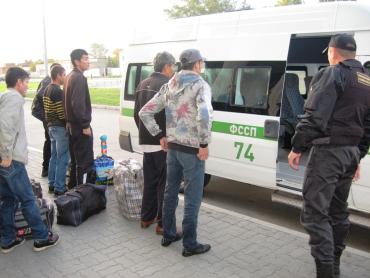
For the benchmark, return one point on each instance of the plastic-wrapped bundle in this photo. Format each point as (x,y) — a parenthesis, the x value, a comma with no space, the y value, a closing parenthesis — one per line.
(104,170)
(128,181)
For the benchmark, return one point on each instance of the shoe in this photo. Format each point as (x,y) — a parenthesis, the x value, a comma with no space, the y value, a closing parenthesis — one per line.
(51,189)
(159,230)
(324,270)
(166,241)
(43,245)
(44,172)
(200,249)
(146,224)
(11,247)
(58,193)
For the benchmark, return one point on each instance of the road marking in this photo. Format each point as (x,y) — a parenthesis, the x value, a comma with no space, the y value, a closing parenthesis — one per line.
(257,221)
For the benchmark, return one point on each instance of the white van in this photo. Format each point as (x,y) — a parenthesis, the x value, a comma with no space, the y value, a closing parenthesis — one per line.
(249,55)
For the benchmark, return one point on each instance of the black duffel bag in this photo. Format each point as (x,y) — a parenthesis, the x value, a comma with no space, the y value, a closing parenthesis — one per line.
(75,206)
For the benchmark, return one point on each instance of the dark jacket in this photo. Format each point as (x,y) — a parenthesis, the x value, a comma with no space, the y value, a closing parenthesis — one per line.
(337,110)
(37,108)
(53,106)
(77,104)
(145,92)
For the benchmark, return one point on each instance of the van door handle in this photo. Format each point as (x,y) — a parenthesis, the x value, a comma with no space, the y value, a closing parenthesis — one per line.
(271,129)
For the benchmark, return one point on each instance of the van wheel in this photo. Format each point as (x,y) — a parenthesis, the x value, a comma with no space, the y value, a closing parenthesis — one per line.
(207,178)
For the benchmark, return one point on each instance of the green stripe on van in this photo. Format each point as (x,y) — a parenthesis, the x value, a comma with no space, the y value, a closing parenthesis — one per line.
(128,112)
(238,129)
(223,127)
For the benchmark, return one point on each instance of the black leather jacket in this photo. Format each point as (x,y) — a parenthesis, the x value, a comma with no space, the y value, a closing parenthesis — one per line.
(337,110)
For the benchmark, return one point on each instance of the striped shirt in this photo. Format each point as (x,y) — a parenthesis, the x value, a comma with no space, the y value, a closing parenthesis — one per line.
(53,106)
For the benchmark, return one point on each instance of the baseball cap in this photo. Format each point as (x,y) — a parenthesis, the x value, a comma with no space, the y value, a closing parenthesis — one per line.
(190,56)
(342,41)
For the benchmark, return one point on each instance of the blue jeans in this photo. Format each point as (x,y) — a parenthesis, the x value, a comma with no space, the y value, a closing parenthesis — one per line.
(59,159)
(15,187)
(179,165)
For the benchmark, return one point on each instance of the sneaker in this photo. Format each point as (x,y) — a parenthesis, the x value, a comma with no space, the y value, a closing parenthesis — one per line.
(58,193)
(51,189)
(43,245)
(11,247)
(200,249)
(44,172)
(166,241)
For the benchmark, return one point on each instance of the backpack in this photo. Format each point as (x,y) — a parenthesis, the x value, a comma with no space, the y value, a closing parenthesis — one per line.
(37,108)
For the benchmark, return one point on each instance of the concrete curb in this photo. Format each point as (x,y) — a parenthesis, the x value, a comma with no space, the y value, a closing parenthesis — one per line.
(97,106)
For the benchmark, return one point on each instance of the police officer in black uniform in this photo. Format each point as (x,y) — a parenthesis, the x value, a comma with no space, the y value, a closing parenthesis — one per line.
(336,124)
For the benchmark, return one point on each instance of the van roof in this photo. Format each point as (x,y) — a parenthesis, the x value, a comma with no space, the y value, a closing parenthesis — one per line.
(296,19)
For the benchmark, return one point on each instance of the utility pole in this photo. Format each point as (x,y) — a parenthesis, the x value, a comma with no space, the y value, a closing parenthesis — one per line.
(45,48)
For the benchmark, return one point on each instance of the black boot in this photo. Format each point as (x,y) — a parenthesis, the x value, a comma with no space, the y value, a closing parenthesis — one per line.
(336,265)
(324,270)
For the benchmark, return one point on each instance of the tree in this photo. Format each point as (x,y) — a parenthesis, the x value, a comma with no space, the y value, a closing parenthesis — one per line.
(202,7)
(98,50)
(288,2)
(321,1)
(113,61)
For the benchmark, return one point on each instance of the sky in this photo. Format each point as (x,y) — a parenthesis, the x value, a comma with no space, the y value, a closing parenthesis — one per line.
(74,24)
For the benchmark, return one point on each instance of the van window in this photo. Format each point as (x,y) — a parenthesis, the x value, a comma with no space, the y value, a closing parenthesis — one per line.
(131,80)
(135,74)
(220,80)
(301,72)
(252,86)
(146,71)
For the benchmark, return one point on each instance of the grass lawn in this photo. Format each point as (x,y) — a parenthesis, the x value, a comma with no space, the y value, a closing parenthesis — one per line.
(32,86)
(105,96)
(102,96)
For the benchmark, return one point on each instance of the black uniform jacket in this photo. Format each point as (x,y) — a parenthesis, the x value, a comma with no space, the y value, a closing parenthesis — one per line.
(337,110)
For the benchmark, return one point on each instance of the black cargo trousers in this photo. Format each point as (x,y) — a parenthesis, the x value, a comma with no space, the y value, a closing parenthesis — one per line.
(155,173)
(328,178)
(81,150)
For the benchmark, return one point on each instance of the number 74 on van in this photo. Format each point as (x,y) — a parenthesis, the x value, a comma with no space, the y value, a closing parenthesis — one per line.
(245,150)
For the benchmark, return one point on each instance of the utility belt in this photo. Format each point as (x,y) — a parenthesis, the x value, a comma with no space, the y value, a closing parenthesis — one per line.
(338,141)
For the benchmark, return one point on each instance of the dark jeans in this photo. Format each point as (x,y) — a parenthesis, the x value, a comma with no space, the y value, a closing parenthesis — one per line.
(327,183)
(180,164)
(47,148)
(82,158)
(154,167)
(15,187)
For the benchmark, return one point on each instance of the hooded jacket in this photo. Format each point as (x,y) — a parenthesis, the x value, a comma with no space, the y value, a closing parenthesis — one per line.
(13,140)
(186,99)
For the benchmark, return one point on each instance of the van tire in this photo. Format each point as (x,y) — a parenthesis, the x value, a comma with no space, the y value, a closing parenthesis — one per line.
(207,178)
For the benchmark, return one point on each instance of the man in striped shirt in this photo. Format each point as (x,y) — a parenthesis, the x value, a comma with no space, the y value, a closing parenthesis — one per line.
(55,120)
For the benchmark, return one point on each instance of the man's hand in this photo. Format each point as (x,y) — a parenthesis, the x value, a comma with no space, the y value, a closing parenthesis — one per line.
(164,145)
(87,131)
(357,175)
(203,153)
(293,160)
(5,163)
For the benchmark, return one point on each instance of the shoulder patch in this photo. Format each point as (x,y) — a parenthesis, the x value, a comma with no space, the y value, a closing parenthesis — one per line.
(363,79)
